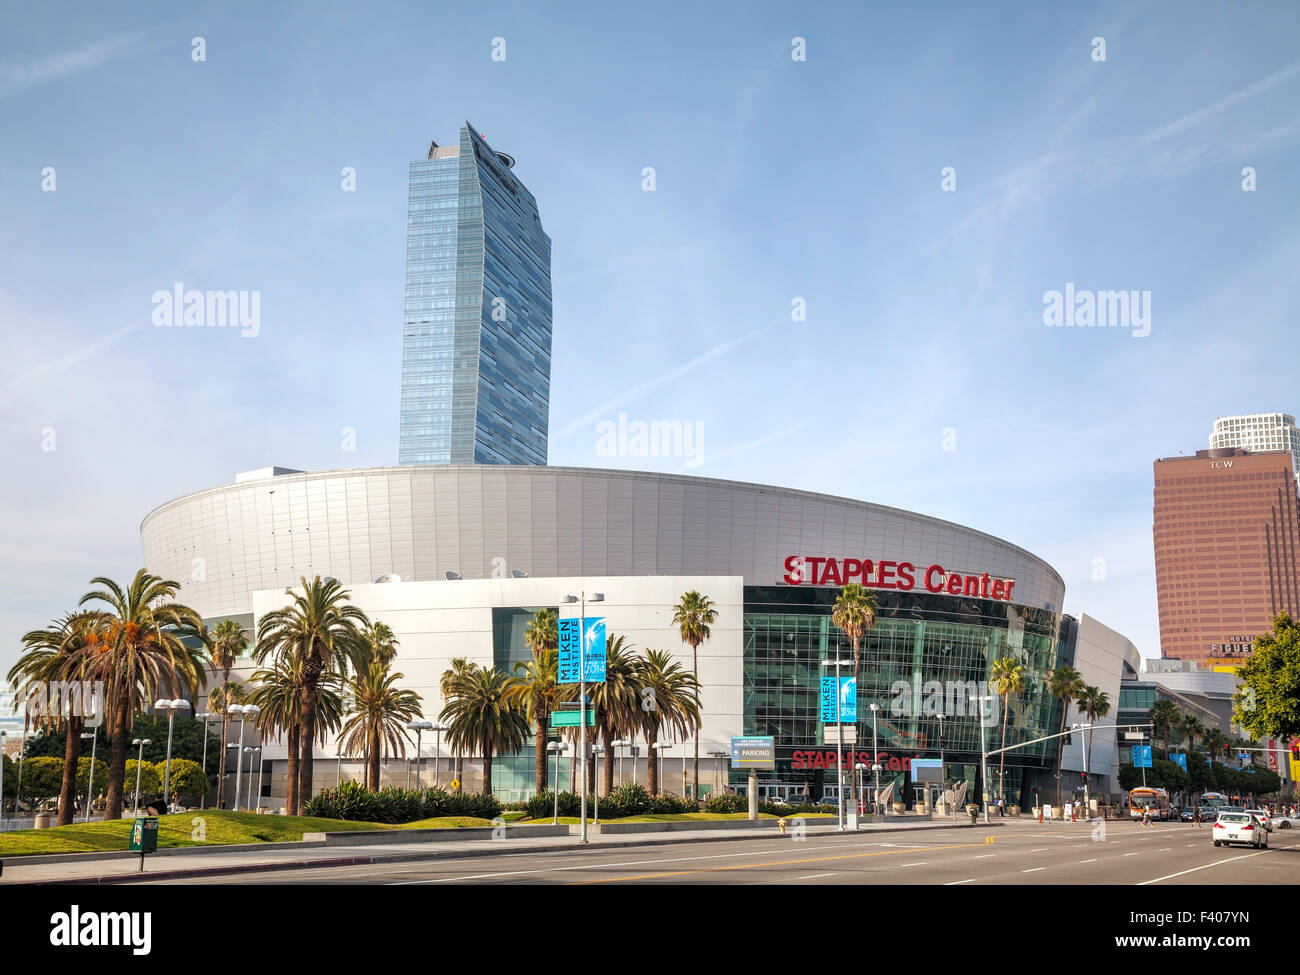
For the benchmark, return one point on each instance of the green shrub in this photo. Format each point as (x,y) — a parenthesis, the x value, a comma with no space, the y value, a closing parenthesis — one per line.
(670,805)
(541,806)
(43,778)
(611,807)
(187,779)
(727,802)
(632,799)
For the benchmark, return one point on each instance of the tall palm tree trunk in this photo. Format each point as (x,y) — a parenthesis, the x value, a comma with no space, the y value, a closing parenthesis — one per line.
(487,771)
(374,759)
(117,758)
(291,782)
(695,667)
(539,760)
(1060,752)
(875,756)
(307,738)
(221,760)
(460,771)
(609,760)
(68,788)
(1002,756)
(651,766)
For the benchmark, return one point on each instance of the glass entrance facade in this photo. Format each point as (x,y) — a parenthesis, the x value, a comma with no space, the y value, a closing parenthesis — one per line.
(927,656)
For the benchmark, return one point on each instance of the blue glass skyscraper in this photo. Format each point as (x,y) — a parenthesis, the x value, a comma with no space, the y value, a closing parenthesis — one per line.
(476,336)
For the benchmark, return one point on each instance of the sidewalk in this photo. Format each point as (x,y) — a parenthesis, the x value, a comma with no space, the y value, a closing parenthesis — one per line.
(96,868)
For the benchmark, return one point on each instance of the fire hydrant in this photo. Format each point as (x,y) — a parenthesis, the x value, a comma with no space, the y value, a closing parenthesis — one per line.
(781,824)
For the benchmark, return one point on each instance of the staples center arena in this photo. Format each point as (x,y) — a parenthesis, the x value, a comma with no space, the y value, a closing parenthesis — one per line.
(455,559)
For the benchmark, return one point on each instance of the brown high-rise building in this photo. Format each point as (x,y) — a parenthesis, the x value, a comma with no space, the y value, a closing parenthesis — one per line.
(1227,544)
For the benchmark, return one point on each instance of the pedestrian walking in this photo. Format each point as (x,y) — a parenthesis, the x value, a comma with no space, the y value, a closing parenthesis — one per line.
(1146,815)
(1196,817)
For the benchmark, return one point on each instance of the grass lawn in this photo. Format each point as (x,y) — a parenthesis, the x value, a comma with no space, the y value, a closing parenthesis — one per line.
(660,818)
(221,826)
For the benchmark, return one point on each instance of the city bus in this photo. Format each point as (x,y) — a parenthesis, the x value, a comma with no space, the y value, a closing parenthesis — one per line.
(1142,798)
(1215,799)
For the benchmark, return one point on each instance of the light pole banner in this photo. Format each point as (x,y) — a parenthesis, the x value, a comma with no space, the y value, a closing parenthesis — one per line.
(848,700)
(593,648)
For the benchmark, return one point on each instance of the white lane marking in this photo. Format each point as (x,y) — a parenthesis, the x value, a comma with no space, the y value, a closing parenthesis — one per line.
(1216,863)
(954,883)
(984,856)
(1033,869)
(918,863)
(1131,854)
(1163,849)
(1093,860)
(1040,849)
(814,876)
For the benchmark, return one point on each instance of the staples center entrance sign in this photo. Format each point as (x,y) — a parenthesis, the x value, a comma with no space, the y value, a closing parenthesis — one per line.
(822,571)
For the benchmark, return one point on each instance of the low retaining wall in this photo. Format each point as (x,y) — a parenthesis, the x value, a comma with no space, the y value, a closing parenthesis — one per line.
(614,827)
(386,837)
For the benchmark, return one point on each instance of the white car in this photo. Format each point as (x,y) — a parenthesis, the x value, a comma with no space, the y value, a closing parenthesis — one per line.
(1262,816)
(1239,827)
(1285,822)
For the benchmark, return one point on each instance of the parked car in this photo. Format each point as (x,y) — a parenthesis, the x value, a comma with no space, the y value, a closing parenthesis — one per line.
(1239,827)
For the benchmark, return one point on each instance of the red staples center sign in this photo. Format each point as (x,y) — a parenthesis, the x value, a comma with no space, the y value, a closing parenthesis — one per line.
(822,571)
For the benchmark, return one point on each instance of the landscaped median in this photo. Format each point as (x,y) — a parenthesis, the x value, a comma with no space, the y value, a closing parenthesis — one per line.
(221,828)
(206,828)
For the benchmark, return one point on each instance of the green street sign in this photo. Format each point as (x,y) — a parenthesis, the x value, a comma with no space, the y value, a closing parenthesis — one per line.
(569,719)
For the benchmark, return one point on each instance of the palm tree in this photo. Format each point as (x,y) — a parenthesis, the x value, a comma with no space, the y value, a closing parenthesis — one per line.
(58,654)
(278,695)
(616,701)
(381,643)
(220,700)
(226,644)
(534,691)
(1215,742)
(1095,704)
(1192,728)
(318,633)
(1164,720)
(1065,683)
(542,636)
(380,713)
(671,693)
(853,614)
(482,719)
(1006,677)
(693,615)
(143,654)
(449,686)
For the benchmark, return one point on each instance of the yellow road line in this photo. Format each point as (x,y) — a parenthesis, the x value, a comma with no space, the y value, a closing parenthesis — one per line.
(771,863)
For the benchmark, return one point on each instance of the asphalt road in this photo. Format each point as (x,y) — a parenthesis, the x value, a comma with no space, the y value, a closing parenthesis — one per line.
(1015,853)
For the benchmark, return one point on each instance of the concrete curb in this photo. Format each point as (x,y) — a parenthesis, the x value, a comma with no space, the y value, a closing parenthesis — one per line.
(170,851)
(445,854)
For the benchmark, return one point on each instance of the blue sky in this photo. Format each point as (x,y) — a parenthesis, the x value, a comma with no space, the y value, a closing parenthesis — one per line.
(775,179)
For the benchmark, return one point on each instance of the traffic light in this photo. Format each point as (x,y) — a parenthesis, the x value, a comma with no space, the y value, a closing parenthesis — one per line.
(1085,778)
(1295,750)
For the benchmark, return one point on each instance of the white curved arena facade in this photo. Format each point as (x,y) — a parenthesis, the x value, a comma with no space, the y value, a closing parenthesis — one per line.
(466,553)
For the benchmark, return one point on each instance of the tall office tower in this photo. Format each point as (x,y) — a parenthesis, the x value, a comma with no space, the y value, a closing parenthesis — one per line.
(1227,545)
(1259,431)
(476,336)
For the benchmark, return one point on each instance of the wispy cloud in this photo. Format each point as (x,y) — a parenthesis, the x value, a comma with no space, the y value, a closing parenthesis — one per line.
(632,392)
(1201,114)
(740,448)
(18,74)
(61,364)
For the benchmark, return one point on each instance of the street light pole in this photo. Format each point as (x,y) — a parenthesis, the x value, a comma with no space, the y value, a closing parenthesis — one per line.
(203,799)
(581,599)
(984,759)
(90,785)
(171,707)
(556,747)
(260,766)
(139,767)
(875,757)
